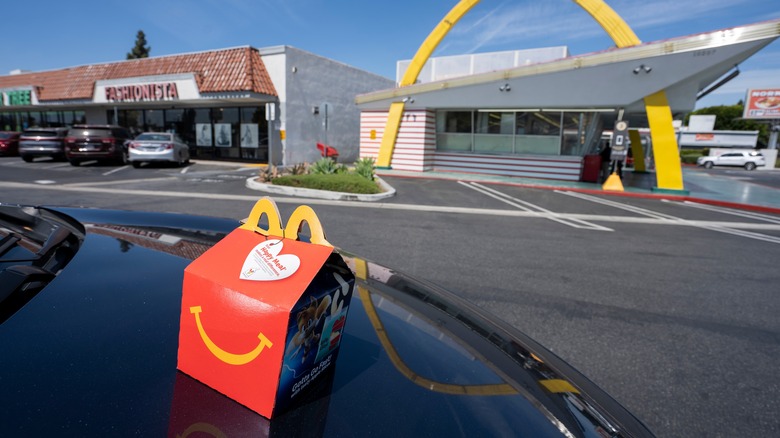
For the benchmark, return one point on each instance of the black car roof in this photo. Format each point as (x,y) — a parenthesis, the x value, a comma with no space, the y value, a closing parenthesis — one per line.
(95,354)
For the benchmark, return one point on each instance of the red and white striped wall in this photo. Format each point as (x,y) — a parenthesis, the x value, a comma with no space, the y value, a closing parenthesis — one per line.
(415,145)
(415,150)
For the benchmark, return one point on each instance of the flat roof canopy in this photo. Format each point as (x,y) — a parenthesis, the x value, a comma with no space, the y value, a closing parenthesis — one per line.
(607,80)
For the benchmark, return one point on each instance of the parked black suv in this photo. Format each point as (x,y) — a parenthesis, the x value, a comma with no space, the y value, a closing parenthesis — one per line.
(42,142)
(96,142)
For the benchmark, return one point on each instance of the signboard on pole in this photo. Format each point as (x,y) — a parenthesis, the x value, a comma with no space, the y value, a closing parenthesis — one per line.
(619,141)
(762,103)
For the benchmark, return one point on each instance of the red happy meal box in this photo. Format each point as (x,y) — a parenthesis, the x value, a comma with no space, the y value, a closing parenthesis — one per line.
(262,315)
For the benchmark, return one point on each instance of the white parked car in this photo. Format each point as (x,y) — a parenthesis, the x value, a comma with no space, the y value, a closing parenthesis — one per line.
(158,146)
(747,159)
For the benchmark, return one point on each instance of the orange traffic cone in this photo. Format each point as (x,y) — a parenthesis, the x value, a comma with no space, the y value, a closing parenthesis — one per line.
(613,183)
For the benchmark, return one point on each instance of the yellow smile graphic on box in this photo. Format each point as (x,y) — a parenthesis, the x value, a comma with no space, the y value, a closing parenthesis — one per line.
(224,356)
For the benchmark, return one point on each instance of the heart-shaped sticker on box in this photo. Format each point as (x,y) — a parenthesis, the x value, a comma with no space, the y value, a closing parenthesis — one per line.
(265,263)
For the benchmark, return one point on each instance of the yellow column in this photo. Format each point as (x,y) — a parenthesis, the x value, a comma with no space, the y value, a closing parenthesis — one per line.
(665,153)
(637,151)
(390,135)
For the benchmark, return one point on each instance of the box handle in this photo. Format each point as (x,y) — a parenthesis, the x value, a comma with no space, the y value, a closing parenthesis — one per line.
(268,207)
(302,214)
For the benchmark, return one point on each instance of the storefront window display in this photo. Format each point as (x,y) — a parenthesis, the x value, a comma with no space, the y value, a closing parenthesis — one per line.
(21,120)
(133,120)
(154,120)
(254,134)
(218,133)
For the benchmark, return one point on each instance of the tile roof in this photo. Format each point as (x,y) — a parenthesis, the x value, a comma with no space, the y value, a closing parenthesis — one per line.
(237,69)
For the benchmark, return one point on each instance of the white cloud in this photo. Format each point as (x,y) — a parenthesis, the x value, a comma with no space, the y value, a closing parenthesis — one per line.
(526,24)
(645,14)
(751,79)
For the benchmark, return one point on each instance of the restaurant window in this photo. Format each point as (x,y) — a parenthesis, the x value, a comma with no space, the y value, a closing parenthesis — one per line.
(575,127)
(537,133)
(494,132)
(516,132)
(454,130)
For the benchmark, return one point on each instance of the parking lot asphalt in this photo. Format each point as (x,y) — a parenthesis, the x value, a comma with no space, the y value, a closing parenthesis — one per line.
(749,190)
(734,188)
(669,306)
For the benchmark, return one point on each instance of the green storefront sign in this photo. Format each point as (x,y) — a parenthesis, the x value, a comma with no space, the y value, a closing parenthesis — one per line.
(16,98)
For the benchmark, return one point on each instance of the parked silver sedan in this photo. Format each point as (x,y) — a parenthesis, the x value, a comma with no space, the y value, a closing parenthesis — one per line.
(158,146)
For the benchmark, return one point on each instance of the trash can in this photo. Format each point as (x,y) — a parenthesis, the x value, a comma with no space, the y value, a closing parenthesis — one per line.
(591,167)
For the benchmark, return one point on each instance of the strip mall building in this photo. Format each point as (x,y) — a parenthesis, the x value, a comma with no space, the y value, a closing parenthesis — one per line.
(256,105)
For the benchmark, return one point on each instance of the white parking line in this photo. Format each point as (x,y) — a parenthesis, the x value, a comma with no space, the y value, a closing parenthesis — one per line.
(748,234)
(747,214)
(116,170)
(707,226)
(121,181)
(631,208)
(527,206)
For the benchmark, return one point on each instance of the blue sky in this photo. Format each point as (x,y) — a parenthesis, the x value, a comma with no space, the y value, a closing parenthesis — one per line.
(369,35)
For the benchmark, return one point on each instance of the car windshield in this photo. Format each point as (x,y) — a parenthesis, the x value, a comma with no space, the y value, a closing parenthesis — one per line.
(154,137)
(49,134)
(91,132)
(5,135)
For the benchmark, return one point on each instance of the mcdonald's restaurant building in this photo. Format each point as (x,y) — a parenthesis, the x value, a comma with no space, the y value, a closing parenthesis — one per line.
(542,113)
(269,105)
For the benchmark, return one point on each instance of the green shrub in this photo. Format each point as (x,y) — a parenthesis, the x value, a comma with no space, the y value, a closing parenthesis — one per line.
(334,182)
(689,156)
(326,166)
(365,168)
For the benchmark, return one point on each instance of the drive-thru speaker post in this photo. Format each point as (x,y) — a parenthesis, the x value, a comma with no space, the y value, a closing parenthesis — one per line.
(618,155)
(263,312)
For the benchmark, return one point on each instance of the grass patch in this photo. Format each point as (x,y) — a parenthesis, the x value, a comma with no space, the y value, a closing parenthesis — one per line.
(335,182)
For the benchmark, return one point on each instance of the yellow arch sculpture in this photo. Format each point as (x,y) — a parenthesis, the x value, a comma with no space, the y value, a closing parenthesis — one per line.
(659,115)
